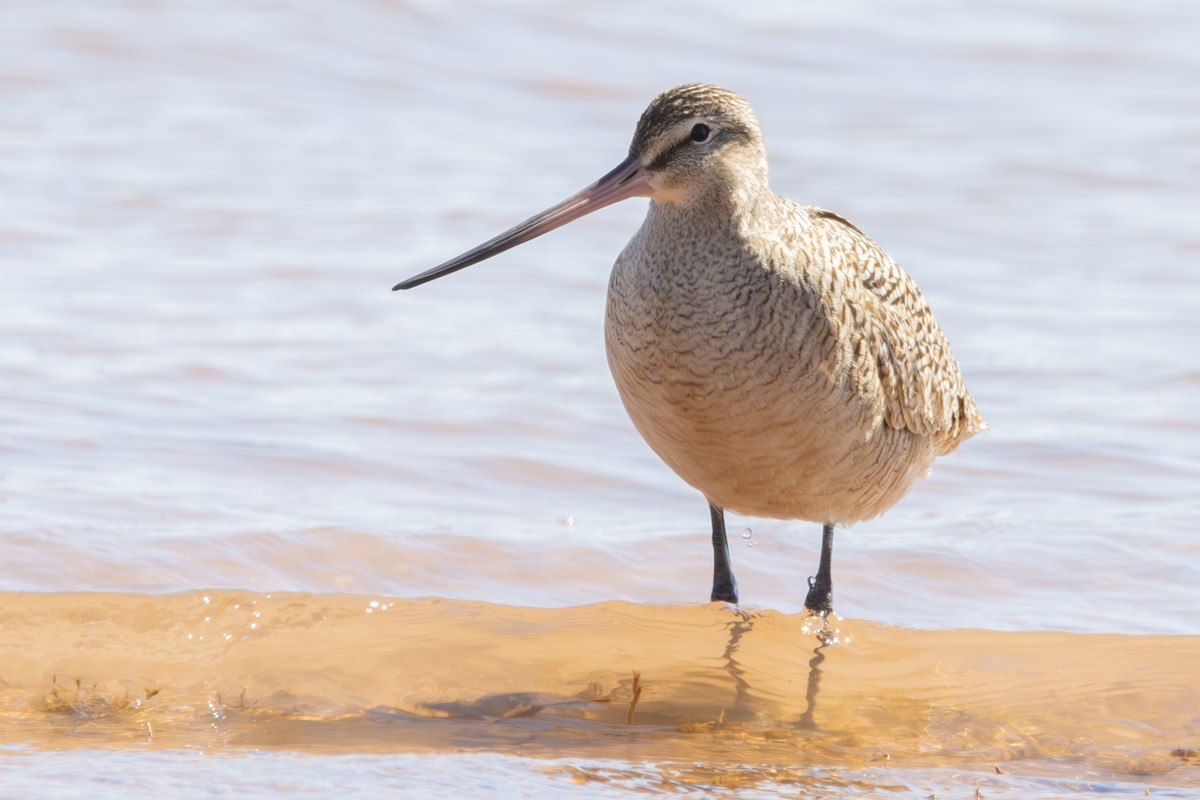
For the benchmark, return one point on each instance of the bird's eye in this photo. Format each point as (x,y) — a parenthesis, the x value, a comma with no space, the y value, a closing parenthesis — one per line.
(700,132)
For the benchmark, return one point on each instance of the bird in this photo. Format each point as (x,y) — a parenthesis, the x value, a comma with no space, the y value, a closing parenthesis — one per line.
(769,352)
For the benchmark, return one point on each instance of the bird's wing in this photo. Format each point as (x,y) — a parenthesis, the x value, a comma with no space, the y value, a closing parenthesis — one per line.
(891,348)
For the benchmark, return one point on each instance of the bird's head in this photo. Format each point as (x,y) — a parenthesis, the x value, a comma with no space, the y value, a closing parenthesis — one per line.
(698,140)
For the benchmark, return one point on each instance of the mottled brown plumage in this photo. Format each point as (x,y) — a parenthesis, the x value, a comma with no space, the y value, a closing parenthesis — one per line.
(769,352)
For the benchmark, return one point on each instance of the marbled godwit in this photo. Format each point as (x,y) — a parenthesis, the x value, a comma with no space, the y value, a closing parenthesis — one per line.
(769,352)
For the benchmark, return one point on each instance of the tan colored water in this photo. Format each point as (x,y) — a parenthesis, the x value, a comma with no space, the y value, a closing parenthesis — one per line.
(689,695)
(207,390)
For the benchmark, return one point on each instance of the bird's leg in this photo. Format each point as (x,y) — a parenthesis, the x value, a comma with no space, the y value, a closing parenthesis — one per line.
(820,589)
(724,587)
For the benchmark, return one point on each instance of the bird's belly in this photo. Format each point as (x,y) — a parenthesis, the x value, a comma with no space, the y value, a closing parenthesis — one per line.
(761,431)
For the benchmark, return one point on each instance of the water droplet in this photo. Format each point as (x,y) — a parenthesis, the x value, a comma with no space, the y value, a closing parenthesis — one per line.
(747,533)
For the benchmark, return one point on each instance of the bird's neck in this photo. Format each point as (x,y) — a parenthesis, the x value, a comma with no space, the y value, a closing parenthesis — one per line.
(729,209)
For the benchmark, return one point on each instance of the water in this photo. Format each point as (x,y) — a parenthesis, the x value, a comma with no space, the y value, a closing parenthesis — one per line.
(207,390)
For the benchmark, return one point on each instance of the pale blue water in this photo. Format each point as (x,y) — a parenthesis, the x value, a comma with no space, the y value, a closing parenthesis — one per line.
(205,380)
(88,774)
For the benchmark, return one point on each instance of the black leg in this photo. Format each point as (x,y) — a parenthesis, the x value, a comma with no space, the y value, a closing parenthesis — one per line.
(820,588)
(724,584)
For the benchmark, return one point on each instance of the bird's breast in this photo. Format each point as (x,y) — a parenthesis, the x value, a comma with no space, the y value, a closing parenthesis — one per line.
(706,322)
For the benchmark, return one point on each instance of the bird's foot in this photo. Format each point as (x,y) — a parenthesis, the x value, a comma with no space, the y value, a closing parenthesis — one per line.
(724,594)
(825,629)
(819,600)
(819,603)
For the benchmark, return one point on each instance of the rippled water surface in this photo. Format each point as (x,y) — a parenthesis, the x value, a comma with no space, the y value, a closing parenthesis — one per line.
(267,527)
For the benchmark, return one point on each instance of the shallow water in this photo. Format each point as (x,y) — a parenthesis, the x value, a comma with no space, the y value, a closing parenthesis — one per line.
(615,695)
(205,385)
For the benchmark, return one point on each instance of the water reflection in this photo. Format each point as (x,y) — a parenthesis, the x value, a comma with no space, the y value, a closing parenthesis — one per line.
(808,718)
(724,698)
(758,708)
(744,709)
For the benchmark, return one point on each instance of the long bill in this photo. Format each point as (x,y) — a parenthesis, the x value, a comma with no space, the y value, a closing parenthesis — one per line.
(626,180)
